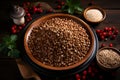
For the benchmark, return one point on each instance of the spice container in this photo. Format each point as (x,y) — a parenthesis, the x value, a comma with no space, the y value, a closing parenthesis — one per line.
(17,14)
(94,14)
(108,58)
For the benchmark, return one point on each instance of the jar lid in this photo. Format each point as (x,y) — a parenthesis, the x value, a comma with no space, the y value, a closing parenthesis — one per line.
(17,12)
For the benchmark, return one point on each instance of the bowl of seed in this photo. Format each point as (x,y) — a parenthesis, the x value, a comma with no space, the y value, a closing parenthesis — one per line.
(59,41)
(108,58)
(94,14)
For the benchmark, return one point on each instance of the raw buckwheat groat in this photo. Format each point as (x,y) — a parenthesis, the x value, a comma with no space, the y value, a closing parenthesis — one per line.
(59,42)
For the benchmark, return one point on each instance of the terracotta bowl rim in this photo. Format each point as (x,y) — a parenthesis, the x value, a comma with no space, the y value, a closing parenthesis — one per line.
(28,31)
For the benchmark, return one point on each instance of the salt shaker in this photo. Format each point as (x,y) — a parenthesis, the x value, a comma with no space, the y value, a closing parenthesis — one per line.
(17,14)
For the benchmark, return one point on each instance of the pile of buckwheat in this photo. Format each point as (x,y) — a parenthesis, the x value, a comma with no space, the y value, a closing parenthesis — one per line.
(59,42)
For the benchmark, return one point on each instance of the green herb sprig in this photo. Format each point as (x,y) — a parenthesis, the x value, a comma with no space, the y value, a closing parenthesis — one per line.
(72,6)
(8,46)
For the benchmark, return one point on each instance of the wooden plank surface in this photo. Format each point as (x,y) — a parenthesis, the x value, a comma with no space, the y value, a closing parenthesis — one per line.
(8,67)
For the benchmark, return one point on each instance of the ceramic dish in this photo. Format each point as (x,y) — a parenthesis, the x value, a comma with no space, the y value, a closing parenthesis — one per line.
(94,14)
(108,58)
(44,18)
(54,73)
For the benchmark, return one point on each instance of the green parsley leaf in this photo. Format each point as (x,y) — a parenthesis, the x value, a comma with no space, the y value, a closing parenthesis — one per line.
(14,53)
(8,46)
(72,6)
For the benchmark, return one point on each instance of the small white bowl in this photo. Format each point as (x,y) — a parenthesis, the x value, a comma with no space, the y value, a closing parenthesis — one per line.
(94,14)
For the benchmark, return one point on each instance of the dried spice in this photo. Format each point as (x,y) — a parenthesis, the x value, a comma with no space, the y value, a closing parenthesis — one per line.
(108,58)
(59,42)
(94,15)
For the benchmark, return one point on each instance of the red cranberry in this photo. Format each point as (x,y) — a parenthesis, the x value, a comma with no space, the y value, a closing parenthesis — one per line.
(101,34)
(98,31)
(116,32)
(20,27)
(102,37)
(50,10)
(58,7)
(39,10)
(104,33)
(23,25)
(26,10)
(110,33)
(30,18)
(84,77)
(103,45)
(28,14)
(62,3)
(28,3)
(101,31)
(110,45)
(106,29)
(113,28)
(34,9)
(77,76)
(89,70)
(113,36)
(14,31)
(109,29)
(84,72)
(14,26)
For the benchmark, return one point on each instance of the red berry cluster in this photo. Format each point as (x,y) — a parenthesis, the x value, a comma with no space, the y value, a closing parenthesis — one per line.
(103,45)
(60,4)
(33,9)
(36,9)
(93,72)
(107,32)
(17,28)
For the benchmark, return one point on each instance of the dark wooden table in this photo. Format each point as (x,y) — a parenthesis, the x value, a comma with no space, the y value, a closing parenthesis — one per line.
(8,67)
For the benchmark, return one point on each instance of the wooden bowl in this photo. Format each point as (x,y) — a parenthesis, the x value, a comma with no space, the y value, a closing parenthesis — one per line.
(60,15)
(99,10)
(101,64)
